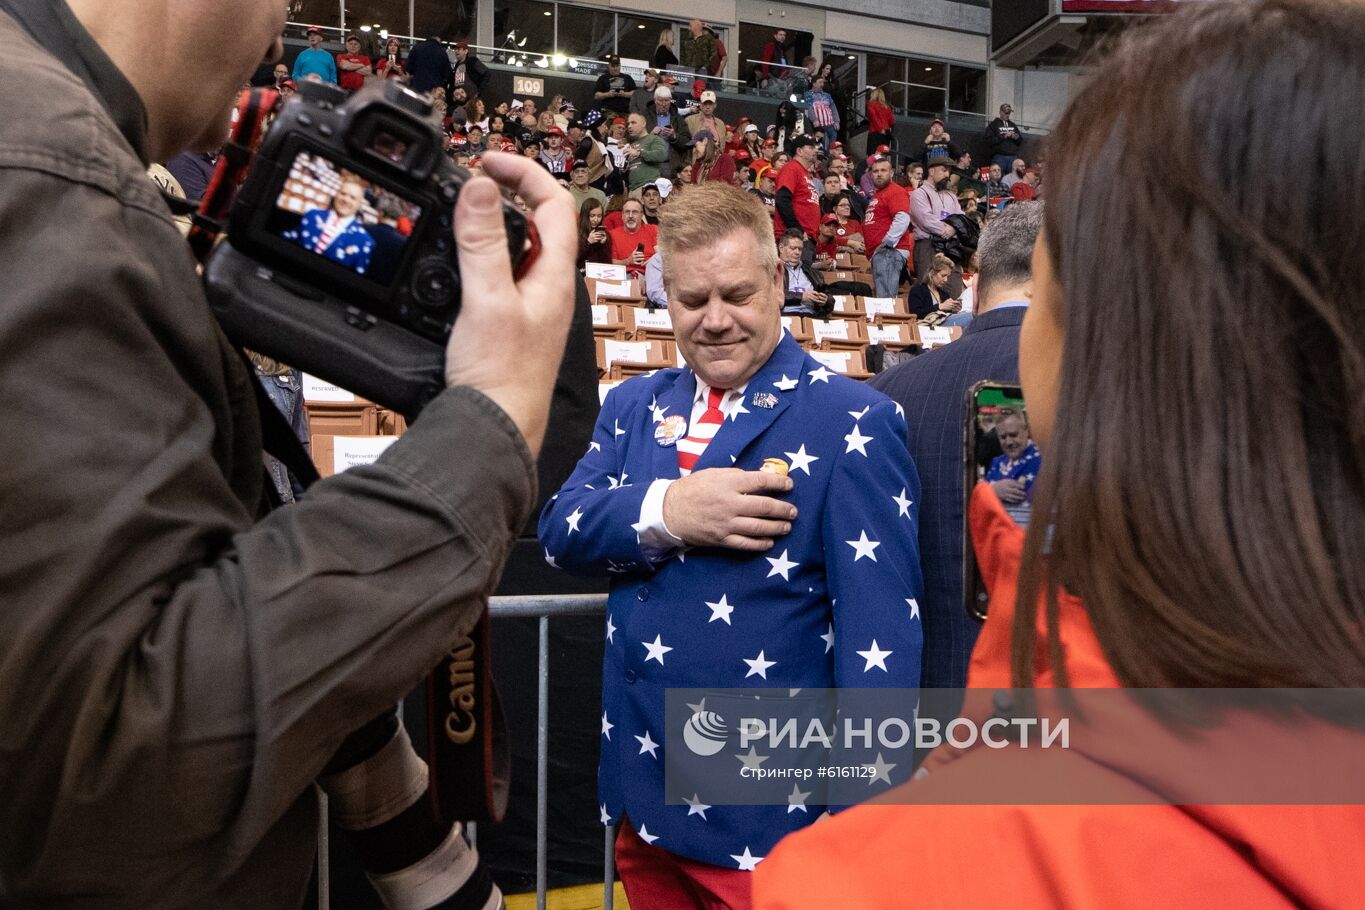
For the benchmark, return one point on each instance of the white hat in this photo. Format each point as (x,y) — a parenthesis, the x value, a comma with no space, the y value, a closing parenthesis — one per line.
(665,186)
(707,96)
(751,128)
(663,91)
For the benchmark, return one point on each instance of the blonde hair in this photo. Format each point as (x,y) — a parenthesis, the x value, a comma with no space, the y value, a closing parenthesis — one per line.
(877,95)
(666,38)
(709,211)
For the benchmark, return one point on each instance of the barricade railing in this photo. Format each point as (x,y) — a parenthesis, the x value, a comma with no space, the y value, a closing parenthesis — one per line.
(542,607)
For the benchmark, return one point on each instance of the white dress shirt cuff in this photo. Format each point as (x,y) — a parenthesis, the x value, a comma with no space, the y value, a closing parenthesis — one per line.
(657,542)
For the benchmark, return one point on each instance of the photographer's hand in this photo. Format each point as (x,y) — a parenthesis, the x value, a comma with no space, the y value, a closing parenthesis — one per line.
(509,338)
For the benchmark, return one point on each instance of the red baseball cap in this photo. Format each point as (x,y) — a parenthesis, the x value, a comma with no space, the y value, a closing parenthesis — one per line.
(554,131)
(831,218)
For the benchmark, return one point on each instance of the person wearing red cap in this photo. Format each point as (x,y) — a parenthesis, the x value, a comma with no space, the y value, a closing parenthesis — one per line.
(938,144)
(798,205)
(390,66)
(827,242)
(553,154)
(353,66)
(469,72)
(314,61)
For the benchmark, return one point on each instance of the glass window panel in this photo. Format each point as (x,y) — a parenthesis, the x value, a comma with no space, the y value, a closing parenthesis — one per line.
(927,72)
(637,37)
(585,32)
(523,26)
(967,89)
(326,13)
(889,73)
(924,100)
(845,69)
(449,20)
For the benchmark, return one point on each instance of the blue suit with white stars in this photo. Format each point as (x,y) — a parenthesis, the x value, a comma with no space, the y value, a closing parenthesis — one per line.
(832,604)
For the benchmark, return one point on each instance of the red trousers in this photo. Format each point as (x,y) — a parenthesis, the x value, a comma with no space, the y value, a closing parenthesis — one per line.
(655,879)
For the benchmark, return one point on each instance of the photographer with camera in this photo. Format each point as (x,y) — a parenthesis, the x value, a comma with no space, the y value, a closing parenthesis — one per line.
(178,667)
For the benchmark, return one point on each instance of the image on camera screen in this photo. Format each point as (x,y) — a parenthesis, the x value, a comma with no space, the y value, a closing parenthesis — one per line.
(1005,455)
(343,218)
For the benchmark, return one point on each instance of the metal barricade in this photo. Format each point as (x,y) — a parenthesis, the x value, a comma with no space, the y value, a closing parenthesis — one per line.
(545,607)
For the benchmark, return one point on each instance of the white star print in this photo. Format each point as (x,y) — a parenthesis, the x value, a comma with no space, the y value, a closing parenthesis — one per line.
(657,411)
(914,607)
(739,409)
(859,415)
(646,836)
(657,649)
(784,384)
(900,410)
(800,460)
(829,639)
(881,770)
(607,726)
(648,745)
(902,504)
(752,760)
(696,807)
(698,707)
(864,547)
(758,665)
(747,861)
(720,609)
(820,375)
(621,482)
(611,629)
(875,657)
(594,446)
(857,441)
(782,565)
(551,560)
(616,428)
(606,819)
(573,520)
(796,800)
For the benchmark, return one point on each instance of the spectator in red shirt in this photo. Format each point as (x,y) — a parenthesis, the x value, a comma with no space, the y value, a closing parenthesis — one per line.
(1026,190)
(880,119)
(708,161)
(353,66)
(827,242)
(391,66)
(886,228)
(798,206)
(849,231)
(633,242)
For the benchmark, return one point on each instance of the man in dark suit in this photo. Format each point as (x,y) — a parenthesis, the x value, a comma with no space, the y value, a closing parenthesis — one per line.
(932,389)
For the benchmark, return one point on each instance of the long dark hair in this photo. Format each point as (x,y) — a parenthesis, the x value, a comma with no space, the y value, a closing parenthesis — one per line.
(1203,489)
(584,211)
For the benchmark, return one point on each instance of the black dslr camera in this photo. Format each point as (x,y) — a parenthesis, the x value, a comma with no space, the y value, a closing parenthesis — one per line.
(340,258)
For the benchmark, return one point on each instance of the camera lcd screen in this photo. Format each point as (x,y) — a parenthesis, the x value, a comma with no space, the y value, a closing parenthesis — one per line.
(1004,453)
(343,218)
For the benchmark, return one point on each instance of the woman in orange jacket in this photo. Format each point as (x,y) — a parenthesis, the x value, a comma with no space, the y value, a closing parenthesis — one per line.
(1193,360)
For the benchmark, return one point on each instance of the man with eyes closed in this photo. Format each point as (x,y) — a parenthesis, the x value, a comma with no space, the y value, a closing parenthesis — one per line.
(757,513)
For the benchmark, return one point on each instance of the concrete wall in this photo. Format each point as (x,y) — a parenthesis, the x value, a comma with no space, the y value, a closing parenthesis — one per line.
(1038,96)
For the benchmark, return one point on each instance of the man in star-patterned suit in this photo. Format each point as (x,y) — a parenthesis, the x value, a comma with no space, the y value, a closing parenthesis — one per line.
(724,575)
(336,232)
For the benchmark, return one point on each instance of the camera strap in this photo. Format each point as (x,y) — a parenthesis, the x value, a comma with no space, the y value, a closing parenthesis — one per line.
(468,752)
(249,119)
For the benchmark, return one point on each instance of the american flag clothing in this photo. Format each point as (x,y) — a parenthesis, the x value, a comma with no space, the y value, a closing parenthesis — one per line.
(350,245)
(842,585)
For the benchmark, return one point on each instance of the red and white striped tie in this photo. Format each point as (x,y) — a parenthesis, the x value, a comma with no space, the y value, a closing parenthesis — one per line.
(702,431)
(329,234)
